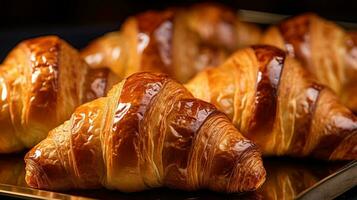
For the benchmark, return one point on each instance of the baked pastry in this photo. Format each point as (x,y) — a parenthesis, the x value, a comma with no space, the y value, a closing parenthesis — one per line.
(324,48)
(42,81)
(275,102)
(179,42)
(148,132)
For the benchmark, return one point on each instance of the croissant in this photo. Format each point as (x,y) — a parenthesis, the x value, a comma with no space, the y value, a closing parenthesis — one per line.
(274,102)
(179,42)
(324,48)
(42,81)
(148,132)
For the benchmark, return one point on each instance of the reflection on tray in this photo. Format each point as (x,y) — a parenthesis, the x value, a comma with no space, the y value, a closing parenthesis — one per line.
(286,178)
(12,170)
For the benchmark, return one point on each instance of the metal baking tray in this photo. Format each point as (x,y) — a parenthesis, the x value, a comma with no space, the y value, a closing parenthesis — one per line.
(287,178)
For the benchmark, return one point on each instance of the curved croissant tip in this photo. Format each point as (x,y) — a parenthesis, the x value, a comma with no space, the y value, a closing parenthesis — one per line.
(31,176)
(35,176)
(259,173)
(255,176)
(249,174)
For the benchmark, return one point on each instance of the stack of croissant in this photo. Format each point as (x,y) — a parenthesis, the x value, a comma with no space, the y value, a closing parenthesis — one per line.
(182,98)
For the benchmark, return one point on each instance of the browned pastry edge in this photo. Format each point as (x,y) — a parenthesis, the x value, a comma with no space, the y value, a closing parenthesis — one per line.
(271,62)
(157,41)
(96,83)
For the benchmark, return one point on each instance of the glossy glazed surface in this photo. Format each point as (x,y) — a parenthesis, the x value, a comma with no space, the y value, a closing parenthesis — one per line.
(276,103)
(148,132)
(41,80)
(271,62)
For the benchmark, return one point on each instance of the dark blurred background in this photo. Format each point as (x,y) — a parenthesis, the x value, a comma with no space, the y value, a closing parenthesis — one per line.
(79,21)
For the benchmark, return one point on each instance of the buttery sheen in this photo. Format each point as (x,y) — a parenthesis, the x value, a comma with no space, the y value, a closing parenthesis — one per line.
(148,132)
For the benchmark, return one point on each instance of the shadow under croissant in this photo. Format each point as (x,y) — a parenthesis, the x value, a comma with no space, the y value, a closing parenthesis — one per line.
(286,178)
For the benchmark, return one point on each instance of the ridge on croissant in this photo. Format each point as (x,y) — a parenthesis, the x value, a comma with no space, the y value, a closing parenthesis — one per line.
(277,104)
(148,132)
(42,80)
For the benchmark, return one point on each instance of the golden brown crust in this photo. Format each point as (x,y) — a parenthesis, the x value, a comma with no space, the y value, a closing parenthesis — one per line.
(276,103)
(44,60)
(148,132)
(42,80)
(324,48)
(179,41)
